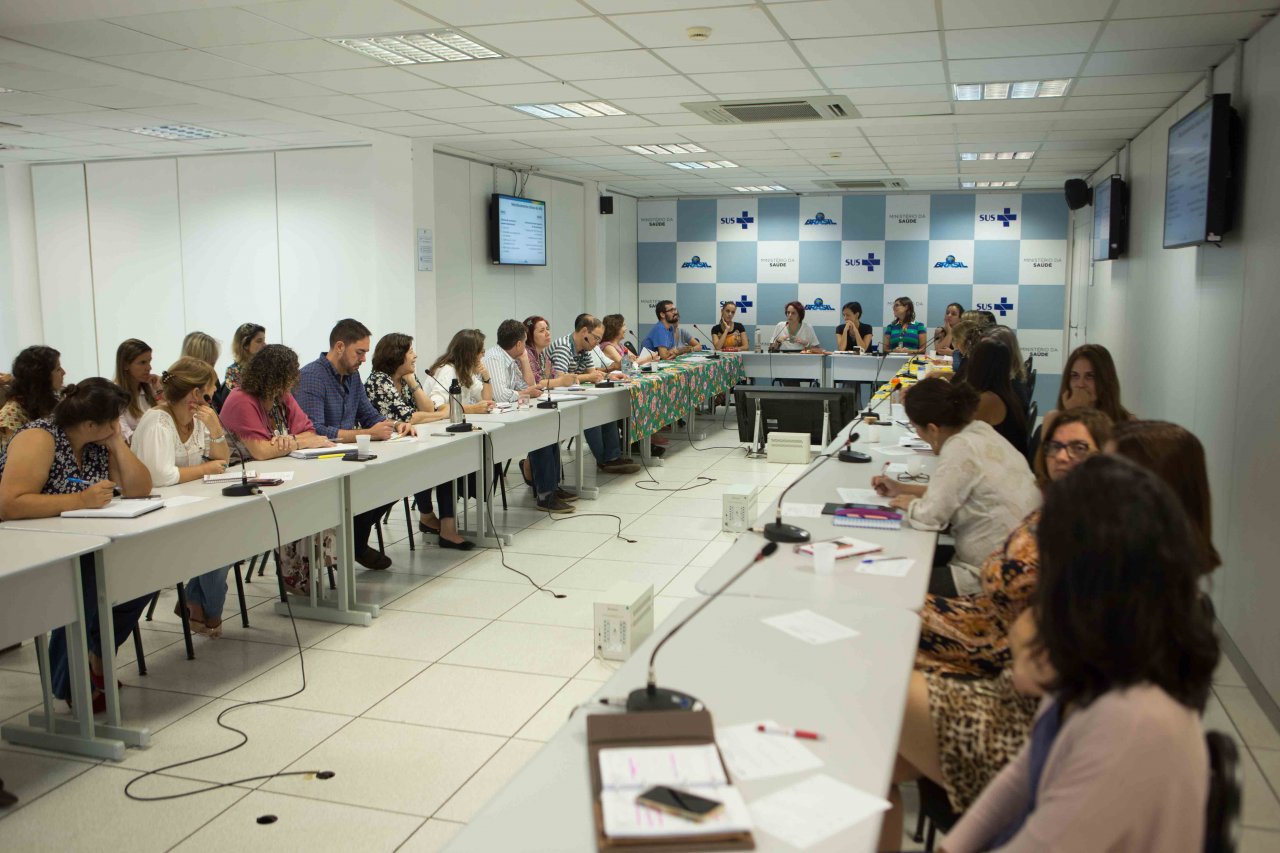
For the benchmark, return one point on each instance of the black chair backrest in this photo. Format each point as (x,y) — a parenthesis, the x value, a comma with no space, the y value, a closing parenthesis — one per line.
(1226,784)
(1027,364)
(220,397)
(1031,384)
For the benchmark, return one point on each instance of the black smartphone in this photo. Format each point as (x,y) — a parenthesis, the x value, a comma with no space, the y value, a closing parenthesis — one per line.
(679,803)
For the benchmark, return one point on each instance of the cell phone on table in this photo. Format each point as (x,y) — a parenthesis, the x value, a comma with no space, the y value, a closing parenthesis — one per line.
(679,803)
(265,481)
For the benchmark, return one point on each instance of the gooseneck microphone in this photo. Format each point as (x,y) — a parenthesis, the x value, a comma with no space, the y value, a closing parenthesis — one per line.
(244,488)
(548,403)
(462,425)
(651,697)
(713,354)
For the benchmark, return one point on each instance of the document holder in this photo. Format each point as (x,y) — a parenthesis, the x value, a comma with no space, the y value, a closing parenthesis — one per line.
(654,728)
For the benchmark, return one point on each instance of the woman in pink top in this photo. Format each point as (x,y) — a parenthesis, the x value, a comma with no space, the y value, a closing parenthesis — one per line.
(1125,647)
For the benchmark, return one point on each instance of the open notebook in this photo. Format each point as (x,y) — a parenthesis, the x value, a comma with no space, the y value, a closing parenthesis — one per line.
(117,509)
(627,772)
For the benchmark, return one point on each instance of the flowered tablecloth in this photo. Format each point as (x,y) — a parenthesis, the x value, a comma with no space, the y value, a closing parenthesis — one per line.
(906,376)
(664,396)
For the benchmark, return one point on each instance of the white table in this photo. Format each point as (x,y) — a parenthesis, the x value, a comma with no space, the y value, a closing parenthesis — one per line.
(847,367)
(852,691)
(41,590)
(768,366)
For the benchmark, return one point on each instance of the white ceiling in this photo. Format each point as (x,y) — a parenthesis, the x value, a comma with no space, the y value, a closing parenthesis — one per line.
(84,69)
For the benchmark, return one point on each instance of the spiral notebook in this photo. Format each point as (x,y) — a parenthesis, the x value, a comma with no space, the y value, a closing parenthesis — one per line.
(869,523)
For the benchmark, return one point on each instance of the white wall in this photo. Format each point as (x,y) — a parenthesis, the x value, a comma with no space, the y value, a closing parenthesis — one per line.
(1193,334)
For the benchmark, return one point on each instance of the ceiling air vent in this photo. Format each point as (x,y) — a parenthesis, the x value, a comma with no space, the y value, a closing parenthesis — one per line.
(819,107)
(882,184)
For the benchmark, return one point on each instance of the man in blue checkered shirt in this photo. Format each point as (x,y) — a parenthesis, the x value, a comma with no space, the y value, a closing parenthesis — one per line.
(331,393)
(573,353)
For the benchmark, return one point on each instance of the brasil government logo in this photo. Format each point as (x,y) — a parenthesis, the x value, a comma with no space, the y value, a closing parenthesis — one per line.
(695,263)
(820,219)
(950,263)
(819,305)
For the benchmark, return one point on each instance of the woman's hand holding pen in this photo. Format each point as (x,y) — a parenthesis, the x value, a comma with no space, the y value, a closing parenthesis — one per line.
(97,495)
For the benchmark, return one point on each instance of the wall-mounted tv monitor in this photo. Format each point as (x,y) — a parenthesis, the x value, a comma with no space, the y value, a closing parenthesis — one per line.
(1110,218)
(1200,175)
(517,231)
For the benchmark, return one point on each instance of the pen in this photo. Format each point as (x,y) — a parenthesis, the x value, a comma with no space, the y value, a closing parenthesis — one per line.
(115,490)
(879,559)
(780,730)
(330,456)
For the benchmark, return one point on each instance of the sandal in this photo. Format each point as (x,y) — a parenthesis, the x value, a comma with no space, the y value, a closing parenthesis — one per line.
(528,481)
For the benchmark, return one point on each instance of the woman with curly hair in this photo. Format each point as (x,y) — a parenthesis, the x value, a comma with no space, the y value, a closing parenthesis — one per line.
(37,381)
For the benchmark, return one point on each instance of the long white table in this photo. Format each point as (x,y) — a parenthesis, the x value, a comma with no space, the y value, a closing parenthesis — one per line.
(851,691)
(824,368)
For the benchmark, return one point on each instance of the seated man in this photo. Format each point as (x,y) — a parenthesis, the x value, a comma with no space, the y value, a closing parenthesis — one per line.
(572,354)
(501,361)
(666,338)
(332,396)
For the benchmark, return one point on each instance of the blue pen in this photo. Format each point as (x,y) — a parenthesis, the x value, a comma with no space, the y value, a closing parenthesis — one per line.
(78,481)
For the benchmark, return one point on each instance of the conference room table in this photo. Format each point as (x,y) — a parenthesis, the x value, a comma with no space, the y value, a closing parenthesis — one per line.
(42,571)
(823,368)
(851,691)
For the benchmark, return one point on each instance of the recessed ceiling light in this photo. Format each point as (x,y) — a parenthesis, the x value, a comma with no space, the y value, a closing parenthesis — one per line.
(982,185)
(1017,90)
(968,184)
(705,164)
(4,91)
(774,188)
(667,148)
(418,48)
(570,109)
(178,132)
(997,155)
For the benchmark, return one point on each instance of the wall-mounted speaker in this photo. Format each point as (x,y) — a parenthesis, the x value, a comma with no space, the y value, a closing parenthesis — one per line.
(1078,193)
(606,204)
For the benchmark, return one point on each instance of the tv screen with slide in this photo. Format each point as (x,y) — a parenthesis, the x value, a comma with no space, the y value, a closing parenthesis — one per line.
(1110,218)
(517,231)
(1199,170)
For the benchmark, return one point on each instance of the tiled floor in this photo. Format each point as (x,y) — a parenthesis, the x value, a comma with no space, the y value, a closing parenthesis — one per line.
(425,714)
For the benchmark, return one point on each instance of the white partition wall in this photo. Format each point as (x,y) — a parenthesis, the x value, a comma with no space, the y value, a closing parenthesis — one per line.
(66,274)
(566,253)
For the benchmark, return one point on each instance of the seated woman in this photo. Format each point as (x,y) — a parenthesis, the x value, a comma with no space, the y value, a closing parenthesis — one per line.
(1017,367)
(394,390)
(43,473)
(943,343)
(1116,757)
(33,391)
(269,423)
(536,346)
(904,334)
(982,487)
(245,343)
(726,336)
(960,731)
(133,374)
(180,439)
(987,372)
(613,343)
(1089,380)
(853,335)
(794,334)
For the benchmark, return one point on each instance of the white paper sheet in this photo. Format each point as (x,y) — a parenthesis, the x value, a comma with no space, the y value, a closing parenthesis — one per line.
(800,510)
(287,476)
(895,568)
(182,500)
(862,496)
(810,627)
(752,754)
(811,811)
(230,476)
(888,450)
(645,766)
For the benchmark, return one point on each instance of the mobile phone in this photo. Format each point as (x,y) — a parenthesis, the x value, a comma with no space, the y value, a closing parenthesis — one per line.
(679,803)
(265,481)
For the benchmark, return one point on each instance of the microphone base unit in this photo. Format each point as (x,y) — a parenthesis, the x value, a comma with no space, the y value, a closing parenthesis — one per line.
(548,404)
(853,456)
(241,490)
(660,699)
(460,427)
(354,456)
(776,531)
(605,383)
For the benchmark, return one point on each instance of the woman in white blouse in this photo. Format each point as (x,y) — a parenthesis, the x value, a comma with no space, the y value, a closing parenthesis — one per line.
(180,439)
(463,360)
(982,487)
(794,334)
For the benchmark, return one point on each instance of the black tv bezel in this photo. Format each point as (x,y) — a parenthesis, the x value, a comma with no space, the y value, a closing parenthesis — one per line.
(1219,192)
(1118,233)
(495,244)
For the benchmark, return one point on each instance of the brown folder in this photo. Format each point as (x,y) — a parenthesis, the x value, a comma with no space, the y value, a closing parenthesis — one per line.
(654,728)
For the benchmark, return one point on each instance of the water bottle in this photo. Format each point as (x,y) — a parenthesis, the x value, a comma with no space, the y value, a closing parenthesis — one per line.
(455,402)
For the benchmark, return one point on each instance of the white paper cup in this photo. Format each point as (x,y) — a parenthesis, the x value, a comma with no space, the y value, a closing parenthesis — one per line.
(422,430)
(824,558)
(915,466)
(363,443)
(873,434)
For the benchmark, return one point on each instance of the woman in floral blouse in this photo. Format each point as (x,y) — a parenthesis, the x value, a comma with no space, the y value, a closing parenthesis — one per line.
(245,343)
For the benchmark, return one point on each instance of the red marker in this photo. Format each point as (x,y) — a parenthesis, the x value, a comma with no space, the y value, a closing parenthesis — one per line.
(779,730)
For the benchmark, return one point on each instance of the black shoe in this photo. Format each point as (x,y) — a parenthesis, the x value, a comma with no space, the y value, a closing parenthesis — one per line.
(372,559)
(565,496)
(464,545)
(553,504)
(657,451)
(619,466)
(434,531)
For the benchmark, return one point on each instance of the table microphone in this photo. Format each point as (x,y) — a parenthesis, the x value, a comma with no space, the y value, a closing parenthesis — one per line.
(461,426)
(548,403)
(651,697)
(713,354)
(776,530)
(244,488)
(644,368)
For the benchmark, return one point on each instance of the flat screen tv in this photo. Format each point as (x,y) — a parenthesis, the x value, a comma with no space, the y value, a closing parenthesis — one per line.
(1110,218)
(817,411)
(517,231)
(1200,175)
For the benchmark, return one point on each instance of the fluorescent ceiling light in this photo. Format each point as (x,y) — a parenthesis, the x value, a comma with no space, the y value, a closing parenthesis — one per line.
(982,185)
(774,188)
(178,132)
(968,92)
(995,91)
(987,155)
(1018,90)
(1053,88)
(570,109)
(969,155)
(968,184)
(997,155)
(705,164)
(1023,155)
(667,148)
(4,91)
(418,48)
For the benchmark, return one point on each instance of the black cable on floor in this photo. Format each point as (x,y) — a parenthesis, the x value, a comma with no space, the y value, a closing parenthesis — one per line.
(502,554)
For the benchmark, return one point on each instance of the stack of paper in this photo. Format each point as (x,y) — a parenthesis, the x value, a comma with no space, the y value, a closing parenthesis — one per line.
(626,773)
(232,476)
(117,508)
(313,452)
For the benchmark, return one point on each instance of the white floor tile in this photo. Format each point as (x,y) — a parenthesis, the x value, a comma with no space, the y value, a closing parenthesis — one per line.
(1269,763)
(29,775)
(541,649)
(576,610)
(19,692)
(1226,673)
(591,573)
(663,607)
(152,642)
(21,659)
(1252,723)
(425,562)
(267,626)
(599,669)
(392,766)
(695,529)
(633,501)
(469,699)
(405,634)
(648,549)
(459,597)
(1259,841)
(487,566)
(300,824)
(1216,718)
(337,682)
(383,587)
(480,788)
(556,543)
(1261,810)
(682,507)
(555,713)
(91,813)
(586,520)
(432,837)
(220,666)
(683,585)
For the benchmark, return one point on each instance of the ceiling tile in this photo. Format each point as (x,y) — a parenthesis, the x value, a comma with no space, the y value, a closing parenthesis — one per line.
(474,114)
(1161,61)
(1122,102)
(398,118)
(647,106)
(751,82)
(1001,13)
(1156,8)
(1026,105)
(330,105)
(87,38)
(296,57)
(823,18)
(359,81)
(1021,68)
(462,13)
(710,58)
(116,97)
(1136,84)
(870,50)
(209,27)
(426,99)
(108,118)
(889,74)
(545,38)
(329,18)
(622,87)
(728,26)
(529,93)
(202,113)
(27,78)
(590,66)
(267,86)
(427,129)
(895,94)
(488,72)
(505,127)
(1182,31)
(604,123)
(921,109)
(182,65)
(1021,41)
